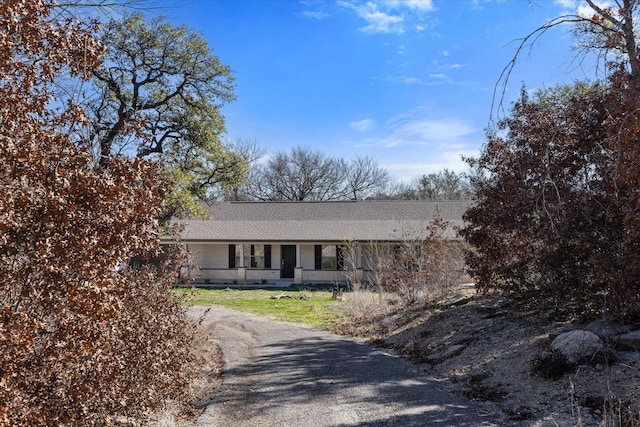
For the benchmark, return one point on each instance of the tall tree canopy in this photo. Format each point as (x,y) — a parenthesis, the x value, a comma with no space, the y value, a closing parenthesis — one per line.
(157,95)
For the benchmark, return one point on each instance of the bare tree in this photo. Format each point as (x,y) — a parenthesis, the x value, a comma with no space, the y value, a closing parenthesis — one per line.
(304,174)
(421,266)
(444,185)
(608,30)
(365,178)
(251,151)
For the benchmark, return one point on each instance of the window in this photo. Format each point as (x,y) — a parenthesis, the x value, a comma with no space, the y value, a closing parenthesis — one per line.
(328,257)
(254,256)
(329,261)
(257,256)
(237,256)
(234,257)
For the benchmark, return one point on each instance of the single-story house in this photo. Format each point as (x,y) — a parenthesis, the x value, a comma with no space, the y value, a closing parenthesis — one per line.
(304,242)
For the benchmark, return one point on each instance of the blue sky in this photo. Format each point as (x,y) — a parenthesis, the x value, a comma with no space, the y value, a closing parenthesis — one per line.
(408,83)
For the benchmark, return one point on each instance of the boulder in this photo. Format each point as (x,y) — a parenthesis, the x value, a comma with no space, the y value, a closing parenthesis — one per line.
(606,330)
(577,345)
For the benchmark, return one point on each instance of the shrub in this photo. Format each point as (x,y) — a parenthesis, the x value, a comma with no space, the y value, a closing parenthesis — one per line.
(80,340)
(551,364)
(549,227)
(421,267)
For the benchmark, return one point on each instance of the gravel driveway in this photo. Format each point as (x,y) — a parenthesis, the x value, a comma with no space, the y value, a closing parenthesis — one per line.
(282,374)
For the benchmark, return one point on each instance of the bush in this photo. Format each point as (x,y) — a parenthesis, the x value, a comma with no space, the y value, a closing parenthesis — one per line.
(421,268)
(551,364)
(80,340)
(550,228)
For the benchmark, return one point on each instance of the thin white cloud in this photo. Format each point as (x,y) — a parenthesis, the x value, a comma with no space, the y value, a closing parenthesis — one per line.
(427,132)
(389,16)
(431,162)
(425,158)
(426,5)
(378,21)
(434,80)
(567,4)
(314,14)
(410,171)
(363,125)
(406,80)
(406,130)
(420,5)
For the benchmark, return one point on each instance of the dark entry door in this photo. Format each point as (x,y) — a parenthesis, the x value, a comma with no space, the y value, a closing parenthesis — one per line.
(288,263)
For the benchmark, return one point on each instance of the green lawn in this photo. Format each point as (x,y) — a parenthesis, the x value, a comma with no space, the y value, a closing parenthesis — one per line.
(315,308)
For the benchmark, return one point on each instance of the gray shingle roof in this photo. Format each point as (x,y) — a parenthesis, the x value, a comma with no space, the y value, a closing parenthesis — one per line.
(382,220)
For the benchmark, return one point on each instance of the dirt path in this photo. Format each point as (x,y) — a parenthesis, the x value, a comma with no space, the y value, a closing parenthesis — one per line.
(281,374)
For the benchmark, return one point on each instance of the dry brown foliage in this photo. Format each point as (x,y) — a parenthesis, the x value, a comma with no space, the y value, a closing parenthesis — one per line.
(79,341)
(555,222)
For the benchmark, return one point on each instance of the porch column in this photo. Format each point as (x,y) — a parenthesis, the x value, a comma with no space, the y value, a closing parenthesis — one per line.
(241,256)
(297,271)
(242,274)
(242,269)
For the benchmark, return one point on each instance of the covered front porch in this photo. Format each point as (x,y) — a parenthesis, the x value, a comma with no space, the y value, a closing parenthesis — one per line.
(274,264)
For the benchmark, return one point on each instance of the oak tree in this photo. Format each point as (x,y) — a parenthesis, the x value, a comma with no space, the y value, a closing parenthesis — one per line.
(157,95)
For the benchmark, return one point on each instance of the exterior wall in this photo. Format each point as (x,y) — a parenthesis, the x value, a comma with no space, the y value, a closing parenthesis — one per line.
(307,257)
(210,255)
(212,265)
(211,261)
(256,275)
(219,275)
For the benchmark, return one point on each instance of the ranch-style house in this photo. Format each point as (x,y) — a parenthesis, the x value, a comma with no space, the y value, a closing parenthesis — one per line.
(304,242)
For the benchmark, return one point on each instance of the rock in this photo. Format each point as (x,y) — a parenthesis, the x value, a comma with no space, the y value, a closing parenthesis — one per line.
(452,350)
(454,300)
(630,340)
(605,329)
(577,345)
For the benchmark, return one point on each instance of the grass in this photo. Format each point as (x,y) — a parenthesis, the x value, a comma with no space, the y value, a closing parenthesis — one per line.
(314,308)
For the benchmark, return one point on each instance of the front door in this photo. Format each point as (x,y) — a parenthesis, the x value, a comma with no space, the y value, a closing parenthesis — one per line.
(288,263)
